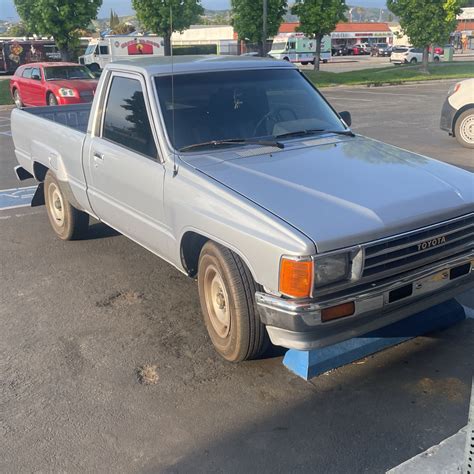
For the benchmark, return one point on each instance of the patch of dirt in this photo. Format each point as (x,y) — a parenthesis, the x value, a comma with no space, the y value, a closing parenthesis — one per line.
(120,298)
(451,388)
(147,374)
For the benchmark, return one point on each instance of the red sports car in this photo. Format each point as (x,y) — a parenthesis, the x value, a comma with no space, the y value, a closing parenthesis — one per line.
(52,84)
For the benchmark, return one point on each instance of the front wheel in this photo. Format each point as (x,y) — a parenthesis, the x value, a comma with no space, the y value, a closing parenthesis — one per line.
(227,296)
(67,222)
(464,128)
(17,99)
(52,99)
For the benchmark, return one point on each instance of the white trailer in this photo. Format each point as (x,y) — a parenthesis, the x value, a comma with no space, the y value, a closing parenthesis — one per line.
(102,51)
(297,48)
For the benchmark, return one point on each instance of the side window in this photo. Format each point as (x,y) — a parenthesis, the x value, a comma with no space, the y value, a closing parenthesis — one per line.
(126,119)
(104,49)
(35,74)
(27,73)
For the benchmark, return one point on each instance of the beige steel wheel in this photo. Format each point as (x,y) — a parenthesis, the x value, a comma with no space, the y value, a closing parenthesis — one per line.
(227,295)
(67,222)
(464,128)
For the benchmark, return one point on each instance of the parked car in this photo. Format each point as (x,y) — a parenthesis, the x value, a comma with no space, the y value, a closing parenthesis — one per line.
(380,49)
(38,84)
(457,115)
(239,173)
(365,48)
(410,55)
(438,50)
(340,50)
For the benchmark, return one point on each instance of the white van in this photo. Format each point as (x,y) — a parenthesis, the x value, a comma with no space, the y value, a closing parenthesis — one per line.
(101,51)
(297,48)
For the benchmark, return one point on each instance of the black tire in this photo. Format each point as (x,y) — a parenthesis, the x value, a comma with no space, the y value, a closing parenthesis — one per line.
(324,61)
(68,223)
(94,67)
(17,99)
(464,128)
(237,334)
(286,59)
(413,61)
(51,99)
(436,59)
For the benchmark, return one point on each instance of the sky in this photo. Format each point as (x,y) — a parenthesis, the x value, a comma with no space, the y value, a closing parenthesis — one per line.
(123,7)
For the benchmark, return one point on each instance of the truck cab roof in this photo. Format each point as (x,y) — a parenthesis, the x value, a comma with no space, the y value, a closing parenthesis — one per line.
(183,64)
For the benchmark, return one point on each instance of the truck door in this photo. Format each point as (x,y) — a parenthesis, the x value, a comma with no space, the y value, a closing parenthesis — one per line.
(124,172)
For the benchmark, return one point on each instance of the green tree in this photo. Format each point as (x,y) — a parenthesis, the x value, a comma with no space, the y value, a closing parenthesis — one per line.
(155,16)
(114,20)
(247,18)
(319,18)
(58,18)
(426,22)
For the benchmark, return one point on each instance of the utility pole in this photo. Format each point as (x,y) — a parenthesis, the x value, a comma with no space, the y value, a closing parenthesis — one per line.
(264,29)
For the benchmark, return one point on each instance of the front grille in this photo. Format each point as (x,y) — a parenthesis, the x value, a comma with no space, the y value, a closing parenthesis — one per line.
(418,248)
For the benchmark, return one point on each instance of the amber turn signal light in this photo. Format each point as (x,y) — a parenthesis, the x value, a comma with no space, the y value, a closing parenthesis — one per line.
(296,277)
(336,312)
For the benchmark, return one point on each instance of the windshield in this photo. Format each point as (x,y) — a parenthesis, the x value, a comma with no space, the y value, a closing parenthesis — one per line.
(278,46)
(241,105)
(90,49)
(67,72)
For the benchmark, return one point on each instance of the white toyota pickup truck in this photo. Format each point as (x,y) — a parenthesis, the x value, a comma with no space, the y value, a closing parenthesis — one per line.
(238,172)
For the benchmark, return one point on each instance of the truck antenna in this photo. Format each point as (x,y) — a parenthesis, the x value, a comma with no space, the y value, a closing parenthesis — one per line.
(175,166)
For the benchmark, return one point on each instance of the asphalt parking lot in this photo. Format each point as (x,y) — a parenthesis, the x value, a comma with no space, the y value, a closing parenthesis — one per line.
(79,318)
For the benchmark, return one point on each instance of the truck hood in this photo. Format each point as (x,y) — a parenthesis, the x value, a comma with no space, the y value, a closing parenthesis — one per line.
(343,191)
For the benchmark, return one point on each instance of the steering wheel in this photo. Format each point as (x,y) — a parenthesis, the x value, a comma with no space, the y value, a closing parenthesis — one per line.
(273,116)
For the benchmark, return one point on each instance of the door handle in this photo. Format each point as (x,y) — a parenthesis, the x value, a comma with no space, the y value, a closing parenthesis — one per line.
(98,157)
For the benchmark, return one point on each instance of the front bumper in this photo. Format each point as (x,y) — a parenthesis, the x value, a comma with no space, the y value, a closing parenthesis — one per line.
(447,117)
(296,324)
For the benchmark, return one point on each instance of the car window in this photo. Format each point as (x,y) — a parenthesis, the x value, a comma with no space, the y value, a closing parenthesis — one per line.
(35,73)
(126,119)
(27,73)
(67,72)
(241,105)
(104,50)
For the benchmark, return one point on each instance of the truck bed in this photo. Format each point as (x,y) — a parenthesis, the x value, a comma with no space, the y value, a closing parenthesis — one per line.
(73,116)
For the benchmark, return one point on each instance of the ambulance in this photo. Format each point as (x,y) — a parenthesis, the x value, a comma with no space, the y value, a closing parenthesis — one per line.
(110,48)
(297,48)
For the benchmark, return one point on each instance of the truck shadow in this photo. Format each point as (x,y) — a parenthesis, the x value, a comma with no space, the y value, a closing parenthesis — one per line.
(100,230)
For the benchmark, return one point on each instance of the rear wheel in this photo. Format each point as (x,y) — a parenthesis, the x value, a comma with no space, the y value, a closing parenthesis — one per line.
(67,222)
(436,59)
(51,99)
(413,61)
(227,295)
(464,128)
(17,99)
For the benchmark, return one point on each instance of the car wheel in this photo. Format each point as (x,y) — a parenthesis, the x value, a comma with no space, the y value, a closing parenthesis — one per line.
(286,59)
(67,222)
(436,59)
(227,296)
(464,128)
(52,99)
(324,61)
(17,99)
(413,61)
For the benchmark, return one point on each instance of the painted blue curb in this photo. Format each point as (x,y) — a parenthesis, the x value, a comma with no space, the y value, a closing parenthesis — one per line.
(308,364)
(17,197)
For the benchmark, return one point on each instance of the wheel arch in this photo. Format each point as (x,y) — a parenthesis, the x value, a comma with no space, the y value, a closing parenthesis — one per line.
(48,93)
(457,115)
(191,244)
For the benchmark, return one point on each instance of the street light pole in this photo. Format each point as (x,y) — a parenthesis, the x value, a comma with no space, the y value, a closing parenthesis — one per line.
(264,29)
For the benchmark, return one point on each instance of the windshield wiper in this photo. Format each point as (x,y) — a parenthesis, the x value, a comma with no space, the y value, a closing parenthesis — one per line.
(234,141)
(312,131)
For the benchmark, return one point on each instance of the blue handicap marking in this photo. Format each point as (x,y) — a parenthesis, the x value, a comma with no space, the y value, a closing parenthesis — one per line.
(16,197)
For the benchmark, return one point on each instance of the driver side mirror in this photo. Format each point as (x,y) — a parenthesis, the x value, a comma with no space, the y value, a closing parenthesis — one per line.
(346,116)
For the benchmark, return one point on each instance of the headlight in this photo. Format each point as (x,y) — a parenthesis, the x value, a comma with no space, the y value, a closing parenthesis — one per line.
(63,92)
(331,269)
